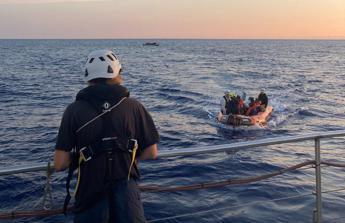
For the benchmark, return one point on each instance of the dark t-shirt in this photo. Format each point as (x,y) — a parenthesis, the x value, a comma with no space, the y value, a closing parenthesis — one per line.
(130,120)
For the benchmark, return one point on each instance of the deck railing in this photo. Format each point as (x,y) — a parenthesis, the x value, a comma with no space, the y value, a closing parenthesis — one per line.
(316,137)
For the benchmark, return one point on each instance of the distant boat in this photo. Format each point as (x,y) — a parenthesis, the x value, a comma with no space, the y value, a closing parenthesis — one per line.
(151,44)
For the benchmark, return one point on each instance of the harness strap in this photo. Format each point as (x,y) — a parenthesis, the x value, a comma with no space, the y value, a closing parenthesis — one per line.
(66,202)
(71,169)
(110,187)
(107,129)
(113,144)
(76,160)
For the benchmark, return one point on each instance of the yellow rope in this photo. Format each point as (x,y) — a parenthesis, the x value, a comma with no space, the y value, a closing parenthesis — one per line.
(78,179)
(134,152)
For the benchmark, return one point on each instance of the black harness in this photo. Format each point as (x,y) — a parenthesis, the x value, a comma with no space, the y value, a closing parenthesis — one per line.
(108,144)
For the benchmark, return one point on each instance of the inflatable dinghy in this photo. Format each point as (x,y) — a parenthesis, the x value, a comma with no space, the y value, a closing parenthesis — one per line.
(242,120)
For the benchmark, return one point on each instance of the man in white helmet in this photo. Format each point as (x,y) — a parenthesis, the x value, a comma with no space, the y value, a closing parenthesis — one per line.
(108,131)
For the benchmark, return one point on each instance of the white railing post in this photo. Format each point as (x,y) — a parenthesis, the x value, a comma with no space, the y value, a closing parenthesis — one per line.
(318,211)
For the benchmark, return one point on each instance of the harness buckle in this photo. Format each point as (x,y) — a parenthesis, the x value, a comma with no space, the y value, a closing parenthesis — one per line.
(109,138)
(132,145)
(86,153)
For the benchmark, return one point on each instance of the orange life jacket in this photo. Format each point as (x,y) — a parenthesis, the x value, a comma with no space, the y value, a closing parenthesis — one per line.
(254,106)
(240,106)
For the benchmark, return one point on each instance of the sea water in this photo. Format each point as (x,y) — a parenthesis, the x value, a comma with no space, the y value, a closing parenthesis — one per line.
(180,82)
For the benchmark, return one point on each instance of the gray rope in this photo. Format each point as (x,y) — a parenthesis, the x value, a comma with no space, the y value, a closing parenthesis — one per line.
(334,190)
(47,200)
(100,115)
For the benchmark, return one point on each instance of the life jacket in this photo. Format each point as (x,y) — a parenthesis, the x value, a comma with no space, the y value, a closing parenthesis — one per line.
(107,143)
(232,106)
(252,110)
(241,107)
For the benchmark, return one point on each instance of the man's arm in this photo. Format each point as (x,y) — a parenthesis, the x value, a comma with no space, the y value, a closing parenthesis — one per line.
(62,160)
(150,152)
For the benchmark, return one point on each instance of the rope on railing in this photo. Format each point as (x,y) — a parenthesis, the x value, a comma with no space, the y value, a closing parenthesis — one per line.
(154,188)
(28,214)
(207,185)
(47,201)
(333,164)
(44,213)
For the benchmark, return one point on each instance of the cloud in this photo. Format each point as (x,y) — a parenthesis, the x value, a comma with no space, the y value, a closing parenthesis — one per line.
(44,1)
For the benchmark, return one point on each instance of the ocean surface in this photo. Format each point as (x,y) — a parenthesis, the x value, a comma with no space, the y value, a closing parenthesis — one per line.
(180,82)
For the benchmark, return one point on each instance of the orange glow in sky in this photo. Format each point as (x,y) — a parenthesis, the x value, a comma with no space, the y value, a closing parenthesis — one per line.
(207,19)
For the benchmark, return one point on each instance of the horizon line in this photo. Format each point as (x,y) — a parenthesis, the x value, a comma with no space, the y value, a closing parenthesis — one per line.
(155,38)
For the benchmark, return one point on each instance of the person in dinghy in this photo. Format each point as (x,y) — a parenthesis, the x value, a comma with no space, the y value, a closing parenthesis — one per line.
(235,112)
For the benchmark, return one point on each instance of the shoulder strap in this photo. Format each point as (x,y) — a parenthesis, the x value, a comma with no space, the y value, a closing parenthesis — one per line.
(105,111)
(73,166)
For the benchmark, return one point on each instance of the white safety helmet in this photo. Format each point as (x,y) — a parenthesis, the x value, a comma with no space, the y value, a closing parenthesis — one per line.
(102,64)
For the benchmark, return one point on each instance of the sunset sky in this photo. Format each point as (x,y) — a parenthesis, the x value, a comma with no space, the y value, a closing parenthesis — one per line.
(201,19)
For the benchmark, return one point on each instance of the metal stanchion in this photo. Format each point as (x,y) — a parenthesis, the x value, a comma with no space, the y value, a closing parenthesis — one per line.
(318,211)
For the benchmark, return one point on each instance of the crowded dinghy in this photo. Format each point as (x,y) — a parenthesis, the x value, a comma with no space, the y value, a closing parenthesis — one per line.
(235,111)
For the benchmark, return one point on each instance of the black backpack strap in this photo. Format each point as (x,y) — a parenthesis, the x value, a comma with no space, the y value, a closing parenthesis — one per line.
(73,166)
(68,195)
(106,131)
